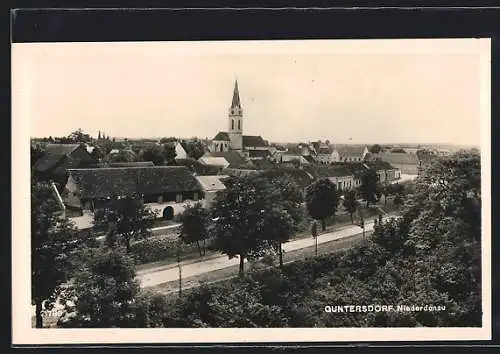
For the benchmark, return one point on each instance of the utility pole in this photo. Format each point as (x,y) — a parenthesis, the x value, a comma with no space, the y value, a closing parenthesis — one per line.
(314,232)
(180,269)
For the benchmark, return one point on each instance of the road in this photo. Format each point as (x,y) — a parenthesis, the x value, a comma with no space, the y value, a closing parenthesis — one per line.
(153,277)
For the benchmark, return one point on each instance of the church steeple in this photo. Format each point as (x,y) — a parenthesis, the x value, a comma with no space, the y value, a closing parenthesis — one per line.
(236,96)
(235,121)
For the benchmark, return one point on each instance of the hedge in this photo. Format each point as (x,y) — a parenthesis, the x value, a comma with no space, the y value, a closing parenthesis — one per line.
(154,249)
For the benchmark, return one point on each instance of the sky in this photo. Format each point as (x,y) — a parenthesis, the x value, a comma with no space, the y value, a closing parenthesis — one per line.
(362,91)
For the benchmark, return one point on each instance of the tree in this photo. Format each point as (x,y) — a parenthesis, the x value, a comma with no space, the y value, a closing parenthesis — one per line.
(78,136)
(194,225)
(52,247)
(97,153)
(314,233)
(376,149)
(287,213)
(36,153)
(153,154)
(103,292)
(350,203)
(194,148)
(242,214)
(169,153)
(128,218)
(369,186)
(322,200)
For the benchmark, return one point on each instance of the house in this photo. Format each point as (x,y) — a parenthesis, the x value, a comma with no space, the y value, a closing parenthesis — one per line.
(258,154)
(234,158)
(385,171)
(58,158)
(210,185)
(323,153)
(92,188)
(406,163)
(214,161)
(198,168)
(348,153)
(344,176)
(254,142)
(302,178)
(292,155)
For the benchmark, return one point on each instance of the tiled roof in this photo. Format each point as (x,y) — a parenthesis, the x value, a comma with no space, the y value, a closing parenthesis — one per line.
(47,162)
(197,167)
(131,164)
(253,140)
(234,158)
(380,165)
(259,153)
(302,178)
(108,182)
(350,150)
(61,149)
(395,158)
(222,136)
(336,170)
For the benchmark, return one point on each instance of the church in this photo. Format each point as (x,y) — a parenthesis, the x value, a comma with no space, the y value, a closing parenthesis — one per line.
(233,139)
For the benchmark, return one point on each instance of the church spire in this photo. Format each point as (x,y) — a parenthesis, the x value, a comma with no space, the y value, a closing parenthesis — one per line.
(236,96)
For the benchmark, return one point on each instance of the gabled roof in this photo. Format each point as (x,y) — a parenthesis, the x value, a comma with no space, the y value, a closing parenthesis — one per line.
(350,150)
(301,177)
(222,136)
(259,153)
(197,167)
(234,158)
(322,171)
(108,182)
(397,158)
(214,161)
(379,165)
(211,183)
(254,140)
(61,149)
(47,162)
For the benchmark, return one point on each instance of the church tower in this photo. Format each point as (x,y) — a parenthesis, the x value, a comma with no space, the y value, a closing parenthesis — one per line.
(235,128)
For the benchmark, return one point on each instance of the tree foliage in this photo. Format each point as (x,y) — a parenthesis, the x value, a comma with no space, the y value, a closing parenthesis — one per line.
(350,203)
(195,220)
(322,199)
(103,292)
(52,246)
(369,187)
(250,216)
(128,219)
(153,154)
(194,148)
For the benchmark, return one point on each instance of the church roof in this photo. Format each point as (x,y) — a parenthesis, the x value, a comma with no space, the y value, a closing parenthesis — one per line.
(224,136)
(253,140)
(236,96)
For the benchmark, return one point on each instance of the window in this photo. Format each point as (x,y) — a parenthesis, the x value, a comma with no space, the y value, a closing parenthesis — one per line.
(232,124)
(239,125)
